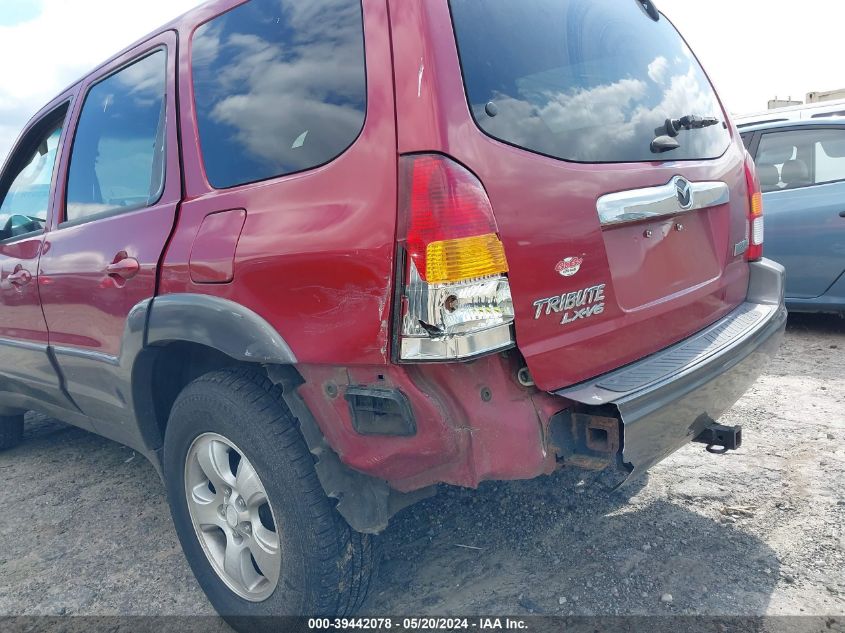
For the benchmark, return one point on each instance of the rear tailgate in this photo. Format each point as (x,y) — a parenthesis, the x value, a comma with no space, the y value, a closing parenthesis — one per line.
(657,284)
(567,96)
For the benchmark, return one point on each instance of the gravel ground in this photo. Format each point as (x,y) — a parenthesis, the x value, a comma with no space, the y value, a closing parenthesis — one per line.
(86,529)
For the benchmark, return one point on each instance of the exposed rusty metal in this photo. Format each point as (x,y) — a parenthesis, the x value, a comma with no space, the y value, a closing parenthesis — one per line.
(602,433)
(585,441)
(456,428)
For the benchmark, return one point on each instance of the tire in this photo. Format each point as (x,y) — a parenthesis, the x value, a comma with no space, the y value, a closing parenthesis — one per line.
(11,431)
(326,567)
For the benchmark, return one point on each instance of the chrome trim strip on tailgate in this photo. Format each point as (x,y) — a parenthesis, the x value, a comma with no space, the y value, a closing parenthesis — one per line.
(675,197)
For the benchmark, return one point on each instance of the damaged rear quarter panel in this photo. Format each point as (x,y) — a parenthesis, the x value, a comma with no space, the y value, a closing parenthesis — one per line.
(461,438)
(315,258)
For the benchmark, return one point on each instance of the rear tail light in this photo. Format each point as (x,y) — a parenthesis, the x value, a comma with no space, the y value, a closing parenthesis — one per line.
(755,230)
(455,300)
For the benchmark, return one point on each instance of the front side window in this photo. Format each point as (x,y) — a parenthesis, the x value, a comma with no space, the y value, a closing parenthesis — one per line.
(26,200)
(801,158)
(583,80)
(118,160)
(279,87)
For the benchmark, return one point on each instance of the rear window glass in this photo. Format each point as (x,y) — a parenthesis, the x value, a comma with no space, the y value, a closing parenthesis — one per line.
(280,87)
(583,80)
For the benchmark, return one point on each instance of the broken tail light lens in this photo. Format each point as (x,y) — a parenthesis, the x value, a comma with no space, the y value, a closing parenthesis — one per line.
(456,301)
(756,227)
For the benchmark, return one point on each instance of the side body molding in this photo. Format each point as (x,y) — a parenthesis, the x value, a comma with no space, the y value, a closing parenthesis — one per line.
(217,323)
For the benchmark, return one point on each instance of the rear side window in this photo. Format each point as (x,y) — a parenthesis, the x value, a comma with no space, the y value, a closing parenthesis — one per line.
(118,162)
(801,158)
(279,87)
(583,80)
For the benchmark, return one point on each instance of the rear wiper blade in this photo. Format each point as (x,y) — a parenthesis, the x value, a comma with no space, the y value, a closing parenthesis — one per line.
(665,135)
(672,127)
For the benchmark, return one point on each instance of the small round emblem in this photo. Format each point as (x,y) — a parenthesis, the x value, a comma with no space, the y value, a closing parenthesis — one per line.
(569,266)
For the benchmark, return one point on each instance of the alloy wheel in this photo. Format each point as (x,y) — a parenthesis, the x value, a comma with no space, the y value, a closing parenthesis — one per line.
(232,517)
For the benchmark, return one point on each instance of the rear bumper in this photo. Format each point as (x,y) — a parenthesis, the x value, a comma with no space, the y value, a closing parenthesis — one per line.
(475,422)
(668,399)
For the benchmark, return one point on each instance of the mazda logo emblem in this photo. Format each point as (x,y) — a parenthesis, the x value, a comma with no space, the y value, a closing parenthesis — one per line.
(684,191)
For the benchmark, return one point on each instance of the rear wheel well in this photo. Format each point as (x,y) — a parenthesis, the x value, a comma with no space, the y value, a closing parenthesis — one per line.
(162,372)
(159,376)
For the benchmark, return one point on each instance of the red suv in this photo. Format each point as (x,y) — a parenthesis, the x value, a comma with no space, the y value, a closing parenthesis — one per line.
(314,257)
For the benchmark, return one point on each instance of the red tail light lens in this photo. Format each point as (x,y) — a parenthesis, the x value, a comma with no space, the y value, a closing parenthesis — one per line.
(452,234)
(756,227)
(455,296)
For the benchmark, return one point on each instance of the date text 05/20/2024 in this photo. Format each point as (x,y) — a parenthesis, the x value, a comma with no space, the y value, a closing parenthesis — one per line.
(418,624)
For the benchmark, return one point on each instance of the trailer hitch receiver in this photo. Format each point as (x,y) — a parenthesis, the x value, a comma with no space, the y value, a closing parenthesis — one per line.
(721,439)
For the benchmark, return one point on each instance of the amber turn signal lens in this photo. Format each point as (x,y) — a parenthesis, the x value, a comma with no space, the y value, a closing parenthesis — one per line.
(465,258)
(756,204)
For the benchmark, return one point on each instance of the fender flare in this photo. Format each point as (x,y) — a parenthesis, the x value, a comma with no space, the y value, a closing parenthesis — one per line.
(217,323)
(366,503)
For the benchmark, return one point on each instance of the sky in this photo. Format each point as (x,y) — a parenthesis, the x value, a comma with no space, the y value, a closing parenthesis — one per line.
(46,45)
(753,50)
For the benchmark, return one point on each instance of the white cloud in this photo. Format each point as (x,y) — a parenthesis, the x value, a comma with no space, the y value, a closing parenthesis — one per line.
(657,69)
(68,38)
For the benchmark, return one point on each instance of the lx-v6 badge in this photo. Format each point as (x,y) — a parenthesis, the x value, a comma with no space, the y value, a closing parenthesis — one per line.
(582,304)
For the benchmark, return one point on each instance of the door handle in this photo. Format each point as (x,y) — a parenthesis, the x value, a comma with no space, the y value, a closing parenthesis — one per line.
(19,278)
(123,268)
